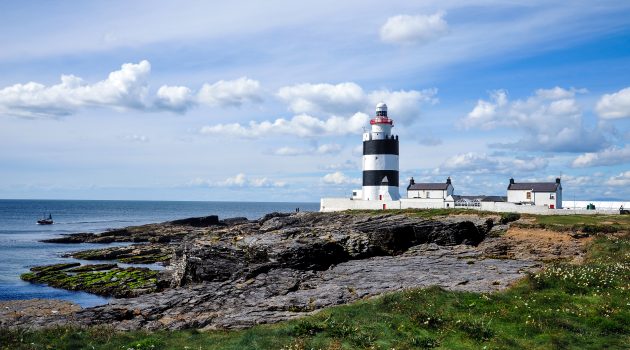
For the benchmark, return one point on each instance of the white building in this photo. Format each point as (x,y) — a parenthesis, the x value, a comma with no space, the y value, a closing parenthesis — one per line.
(430,190)
(548,194)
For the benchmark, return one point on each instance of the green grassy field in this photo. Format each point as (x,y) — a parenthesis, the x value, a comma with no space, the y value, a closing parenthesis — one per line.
(563,307)
(582,223)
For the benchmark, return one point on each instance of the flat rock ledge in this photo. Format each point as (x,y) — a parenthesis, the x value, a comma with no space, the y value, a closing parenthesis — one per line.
(238,273)
(282,294)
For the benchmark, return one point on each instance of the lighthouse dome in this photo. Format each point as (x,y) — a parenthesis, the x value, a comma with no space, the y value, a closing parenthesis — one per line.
(381,107)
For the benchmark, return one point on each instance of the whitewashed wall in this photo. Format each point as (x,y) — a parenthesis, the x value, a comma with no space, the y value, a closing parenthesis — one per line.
(339,204)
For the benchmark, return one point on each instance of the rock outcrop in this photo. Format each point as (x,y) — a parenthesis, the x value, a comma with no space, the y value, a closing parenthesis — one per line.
(311,241)
(239,273)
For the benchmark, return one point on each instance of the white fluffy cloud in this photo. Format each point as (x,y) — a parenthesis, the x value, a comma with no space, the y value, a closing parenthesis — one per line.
(301,125)
(329,148)
(615,105)
(239,180)
(622,179)
(609,156)
(231,92)
(323,98)
(474,163)
(339,178)
(125,88)
(551,119)
(176,98)
(405,29)
(346,98)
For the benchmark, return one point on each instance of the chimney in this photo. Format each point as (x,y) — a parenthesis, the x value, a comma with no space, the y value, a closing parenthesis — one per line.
(448,180)
(511,181)
(412,181)
(557,180)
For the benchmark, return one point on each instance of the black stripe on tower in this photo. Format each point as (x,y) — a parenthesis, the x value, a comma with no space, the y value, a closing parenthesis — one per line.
(375,177)
(387,146)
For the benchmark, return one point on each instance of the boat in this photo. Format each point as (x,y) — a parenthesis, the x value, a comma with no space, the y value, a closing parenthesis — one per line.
(46,220)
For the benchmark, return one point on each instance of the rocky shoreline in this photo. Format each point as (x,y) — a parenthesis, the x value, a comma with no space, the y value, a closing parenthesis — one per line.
(236,272)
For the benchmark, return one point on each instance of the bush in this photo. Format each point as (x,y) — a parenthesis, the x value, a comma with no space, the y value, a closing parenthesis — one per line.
(509,217)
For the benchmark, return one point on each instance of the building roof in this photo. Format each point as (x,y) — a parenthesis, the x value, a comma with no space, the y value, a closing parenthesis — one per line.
(428,186)
(535,186)
(480,198)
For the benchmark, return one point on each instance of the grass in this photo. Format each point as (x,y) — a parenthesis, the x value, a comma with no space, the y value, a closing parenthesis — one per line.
(563,307)
(581,223)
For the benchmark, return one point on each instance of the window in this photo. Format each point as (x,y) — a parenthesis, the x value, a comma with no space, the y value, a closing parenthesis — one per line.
(552,196)
(529,195)
(428,194)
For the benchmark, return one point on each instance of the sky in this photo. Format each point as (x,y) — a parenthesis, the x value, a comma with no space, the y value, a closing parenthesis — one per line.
(266,101)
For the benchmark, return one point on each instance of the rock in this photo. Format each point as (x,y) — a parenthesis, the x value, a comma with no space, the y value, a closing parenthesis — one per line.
(204,221)
(97,279)
(134,254)
(311,241)
(34,311)
(241,272)
(73,238)
(94,267)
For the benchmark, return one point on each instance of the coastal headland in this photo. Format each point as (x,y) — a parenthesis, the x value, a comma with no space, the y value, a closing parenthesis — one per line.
(237,273)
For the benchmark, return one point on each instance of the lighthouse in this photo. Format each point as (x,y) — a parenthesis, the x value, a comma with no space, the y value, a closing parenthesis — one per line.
(380,159)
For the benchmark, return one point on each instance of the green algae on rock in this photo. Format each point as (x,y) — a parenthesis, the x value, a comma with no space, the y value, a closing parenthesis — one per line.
(134,254)
(102,279)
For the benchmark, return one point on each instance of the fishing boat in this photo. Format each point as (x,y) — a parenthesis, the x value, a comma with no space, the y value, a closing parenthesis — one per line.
(46,220)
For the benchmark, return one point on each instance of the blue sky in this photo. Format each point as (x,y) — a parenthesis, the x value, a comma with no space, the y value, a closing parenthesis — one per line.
(266,101)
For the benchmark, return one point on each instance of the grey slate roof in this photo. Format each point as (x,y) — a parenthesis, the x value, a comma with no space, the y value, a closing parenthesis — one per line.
(535,186)
(428,186)
(481,198)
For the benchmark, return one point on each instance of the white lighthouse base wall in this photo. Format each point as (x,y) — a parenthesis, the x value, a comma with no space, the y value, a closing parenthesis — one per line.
(340,204)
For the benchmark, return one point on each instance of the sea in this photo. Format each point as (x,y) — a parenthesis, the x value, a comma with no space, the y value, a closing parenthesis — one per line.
(20,246)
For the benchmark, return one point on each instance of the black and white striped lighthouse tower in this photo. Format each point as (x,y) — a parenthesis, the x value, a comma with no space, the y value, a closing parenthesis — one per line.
(380,159)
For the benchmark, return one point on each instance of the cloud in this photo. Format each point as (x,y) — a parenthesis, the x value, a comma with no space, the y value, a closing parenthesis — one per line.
(551,119)
(233,93)
(622,179)
(329,148)
(338,178)
(614,106)
(474,163)
(346,98)
(347,165)
(609,156)
(135,138)
(420,29)
(126,88)
(176,98)
(301,125)
(239,180)
(323,98)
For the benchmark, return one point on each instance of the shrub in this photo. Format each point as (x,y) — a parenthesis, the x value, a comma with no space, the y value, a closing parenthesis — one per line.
(509,217)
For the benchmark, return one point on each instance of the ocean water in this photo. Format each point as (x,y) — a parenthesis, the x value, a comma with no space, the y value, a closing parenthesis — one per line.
(20,248)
